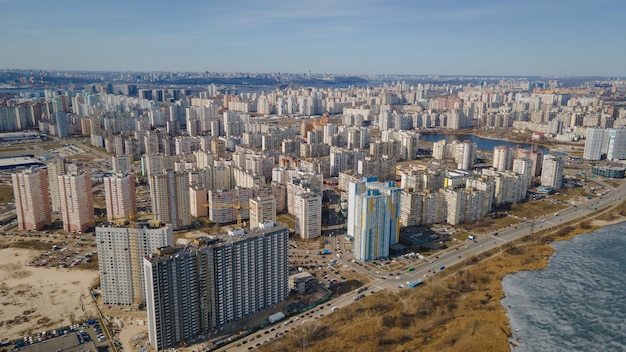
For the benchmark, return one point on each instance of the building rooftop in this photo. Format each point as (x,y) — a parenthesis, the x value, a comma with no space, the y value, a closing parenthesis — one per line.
(143,224)
(15,162)
(235,235)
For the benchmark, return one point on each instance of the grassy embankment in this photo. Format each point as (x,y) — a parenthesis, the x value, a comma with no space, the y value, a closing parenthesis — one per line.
(460,311)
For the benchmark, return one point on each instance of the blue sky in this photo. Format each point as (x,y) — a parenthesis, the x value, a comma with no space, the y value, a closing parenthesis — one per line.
(445,37)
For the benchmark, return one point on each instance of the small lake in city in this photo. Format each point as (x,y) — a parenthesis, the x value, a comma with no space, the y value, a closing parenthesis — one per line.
(482,143)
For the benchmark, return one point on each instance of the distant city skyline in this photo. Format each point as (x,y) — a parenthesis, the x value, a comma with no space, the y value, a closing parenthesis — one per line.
(483,37)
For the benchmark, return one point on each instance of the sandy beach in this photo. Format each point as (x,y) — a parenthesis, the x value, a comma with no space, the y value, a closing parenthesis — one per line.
(36,299)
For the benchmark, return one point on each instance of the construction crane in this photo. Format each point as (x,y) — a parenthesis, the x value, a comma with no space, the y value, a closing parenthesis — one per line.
(237,207)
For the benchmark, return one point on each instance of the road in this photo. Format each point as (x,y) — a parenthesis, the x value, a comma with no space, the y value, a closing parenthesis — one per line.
(430,267)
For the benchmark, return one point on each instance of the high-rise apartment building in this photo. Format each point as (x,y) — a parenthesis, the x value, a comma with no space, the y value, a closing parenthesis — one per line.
(76,201)
(410,145)
(32,204)
(169,193)
(60,118)
(502,158)
(465,155)
(155,164)
(120,196)
(439,149)
(373,217)
(465,205)
(121,164)
(198,199)
(593,143)
(121,250)
(191,290)
(524,167)
(229,206)
(308,214)
(410,208)
(552,171)
(616,144)
(218,148)
(262,209)
(55,168)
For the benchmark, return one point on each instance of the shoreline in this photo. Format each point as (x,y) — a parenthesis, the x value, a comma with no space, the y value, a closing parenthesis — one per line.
(522,255)
(480,133)
(596,225)
(461,311)
(550,250)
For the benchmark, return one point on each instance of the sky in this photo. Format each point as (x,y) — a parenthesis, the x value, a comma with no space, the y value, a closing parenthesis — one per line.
(413,37)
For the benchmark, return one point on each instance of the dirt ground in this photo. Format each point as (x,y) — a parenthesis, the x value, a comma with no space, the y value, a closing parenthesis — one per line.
(36,299)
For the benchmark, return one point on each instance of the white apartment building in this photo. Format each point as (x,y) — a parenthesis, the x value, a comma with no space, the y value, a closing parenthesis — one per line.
(502,158)
(120,258)
(616,144)
(410,208)
(169,193)
(223,177)
(433,207)
(439,149)
(509,187)
(524,167)
(226,206)
(308,214)
(120,196)
(594,143)
(465,155)
(464,205)
(262,208)
(552,172)
(121,164)
(247,179)
(409,145)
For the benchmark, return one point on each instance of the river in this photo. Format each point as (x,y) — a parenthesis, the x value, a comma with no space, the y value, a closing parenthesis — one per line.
(482,143)
(578,302)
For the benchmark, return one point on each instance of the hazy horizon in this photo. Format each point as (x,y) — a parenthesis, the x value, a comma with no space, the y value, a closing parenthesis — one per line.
(373,37)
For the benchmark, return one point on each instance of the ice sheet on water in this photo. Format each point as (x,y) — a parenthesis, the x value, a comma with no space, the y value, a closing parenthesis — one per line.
(578,303)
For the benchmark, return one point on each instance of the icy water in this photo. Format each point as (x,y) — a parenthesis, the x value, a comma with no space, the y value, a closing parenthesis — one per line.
(577,303)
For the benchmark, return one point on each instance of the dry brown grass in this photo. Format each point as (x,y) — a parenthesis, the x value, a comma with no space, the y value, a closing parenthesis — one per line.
(532,208)
(577,192)
(488,224)
(6,194)
(613,183)
(613,214)
(286,219)
(27,244)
